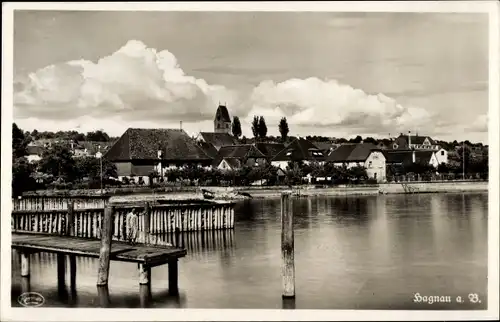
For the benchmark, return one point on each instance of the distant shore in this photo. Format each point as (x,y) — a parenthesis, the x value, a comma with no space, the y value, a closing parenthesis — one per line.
(235,193)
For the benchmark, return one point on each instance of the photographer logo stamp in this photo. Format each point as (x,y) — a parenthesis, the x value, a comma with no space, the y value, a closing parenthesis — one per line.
(31,299)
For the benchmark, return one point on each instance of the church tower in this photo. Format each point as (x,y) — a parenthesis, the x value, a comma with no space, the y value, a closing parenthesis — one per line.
(222,121)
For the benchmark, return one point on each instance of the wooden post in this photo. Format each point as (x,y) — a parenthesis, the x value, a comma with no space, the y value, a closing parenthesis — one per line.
(70,226)
(61,271)
(173,287)
(144,274)
(25,264)
(103,294)
(147,220)
(287,246)
(103,271)
(72,271)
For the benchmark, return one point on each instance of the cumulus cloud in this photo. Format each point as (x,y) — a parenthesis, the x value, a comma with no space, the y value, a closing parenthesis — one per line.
(134,82)
(327,103)
(141,84)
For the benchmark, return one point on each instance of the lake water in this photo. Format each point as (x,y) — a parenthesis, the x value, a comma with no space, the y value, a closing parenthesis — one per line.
(354,252)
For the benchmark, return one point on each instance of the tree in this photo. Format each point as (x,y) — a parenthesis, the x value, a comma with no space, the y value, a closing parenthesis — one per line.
(262,127)
(370,140)
(22,179)
(443,168)
(99,136)
(236,127)
(58,161)
(284,130)
(255,126)
(19,142)
(358,139)
(90,167)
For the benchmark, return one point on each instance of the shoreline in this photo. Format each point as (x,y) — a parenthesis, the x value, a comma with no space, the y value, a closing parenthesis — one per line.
(233,193)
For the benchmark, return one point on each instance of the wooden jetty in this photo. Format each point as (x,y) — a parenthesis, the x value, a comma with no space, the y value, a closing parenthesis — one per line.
(160,219)
(144,254)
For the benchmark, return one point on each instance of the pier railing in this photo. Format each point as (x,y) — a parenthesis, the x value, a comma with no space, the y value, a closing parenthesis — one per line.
(58,202)
(162,219)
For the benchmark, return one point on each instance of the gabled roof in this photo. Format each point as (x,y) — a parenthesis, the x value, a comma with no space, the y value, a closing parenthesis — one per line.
(406,156)
(233,162)
(352,152)
(270,150)
(34,150)
(300,149)
(241,152)
(208,148)
(222,114)
(144,144)
(218,139)
(417,139)
(324,146)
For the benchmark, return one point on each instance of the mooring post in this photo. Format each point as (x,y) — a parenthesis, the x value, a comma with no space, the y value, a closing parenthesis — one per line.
(144,274)
(70,226)
(61,271)
(287,246)
(173,280)
(72,271)
(25,264)
(147,220)
(103,272)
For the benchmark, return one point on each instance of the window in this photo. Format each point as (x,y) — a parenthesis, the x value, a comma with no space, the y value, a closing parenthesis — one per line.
(375,175)
(395,146)
(218,125)
(369,164)
(442,152)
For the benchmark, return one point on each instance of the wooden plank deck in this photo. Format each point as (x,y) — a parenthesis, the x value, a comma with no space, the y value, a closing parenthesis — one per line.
(120,251)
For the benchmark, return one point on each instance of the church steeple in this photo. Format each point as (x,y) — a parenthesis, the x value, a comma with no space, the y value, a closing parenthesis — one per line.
(222,121)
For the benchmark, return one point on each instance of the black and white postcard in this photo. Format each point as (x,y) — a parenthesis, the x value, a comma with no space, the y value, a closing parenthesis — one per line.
(250,160)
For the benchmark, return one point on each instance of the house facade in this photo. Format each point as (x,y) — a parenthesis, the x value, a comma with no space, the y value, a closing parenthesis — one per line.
(138,153)
(441,156)
(365,155)
(415,142)
(34,153)
(237,156)
(299,150)
(402,158)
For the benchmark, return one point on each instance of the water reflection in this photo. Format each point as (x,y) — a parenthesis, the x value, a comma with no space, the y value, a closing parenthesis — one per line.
(288,303)
(378,250)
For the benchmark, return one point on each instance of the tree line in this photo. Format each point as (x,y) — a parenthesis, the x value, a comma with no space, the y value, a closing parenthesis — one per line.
(95,136)
(56,169)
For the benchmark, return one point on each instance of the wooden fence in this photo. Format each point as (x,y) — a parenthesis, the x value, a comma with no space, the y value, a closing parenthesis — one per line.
(58,202)
(163,219)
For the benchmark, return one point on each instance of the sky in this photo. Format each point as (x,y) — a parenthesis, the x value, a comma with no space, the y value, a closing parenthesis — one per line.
(329,73)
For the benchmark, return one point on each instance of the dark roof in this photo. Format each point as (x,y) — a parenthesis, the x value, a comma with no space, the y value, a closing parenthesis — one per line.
(300,149)
(34,150)
(417,139)
(270,150)
(324,146)
(208,148)
(406,157)
(93,146)
(218,139)
(233,162)
(222,114)
(144,144)
(351,152)
(242,151)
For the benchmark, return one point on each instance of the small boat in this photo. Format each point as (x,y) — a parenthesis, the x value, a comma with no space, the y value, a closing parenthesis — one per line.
(245,194)
(207,194)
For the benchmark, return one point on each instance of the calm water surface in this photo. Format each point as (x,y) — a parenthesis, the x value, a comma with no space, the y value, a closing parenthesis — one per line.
(369,252)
